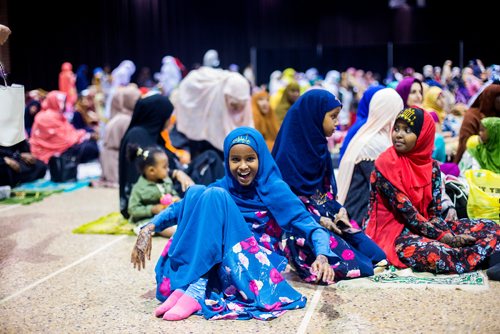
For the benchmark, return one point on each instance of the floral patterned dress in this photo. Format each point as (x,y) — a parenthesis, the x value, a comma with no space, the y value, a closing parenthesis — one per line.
(247,282)
(357,251)
(418,246)
(248,286)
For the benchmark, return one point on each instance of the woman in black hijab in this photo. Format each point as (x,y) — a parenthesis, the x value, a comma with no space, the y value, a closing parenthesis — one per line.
(148,120)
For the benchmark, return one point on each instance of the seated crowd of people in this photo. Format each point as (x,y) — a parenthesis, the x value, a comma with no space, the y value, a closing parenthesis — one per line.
(336,176)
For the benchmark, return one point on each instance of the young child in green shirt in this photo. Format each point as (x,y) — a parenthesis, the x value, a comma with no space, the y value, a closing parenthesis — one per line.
(154,190)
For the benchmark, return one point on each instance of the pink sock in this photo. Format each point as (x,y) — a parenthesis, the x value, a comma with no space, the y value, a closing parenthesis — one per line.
(169,303)
(184,307)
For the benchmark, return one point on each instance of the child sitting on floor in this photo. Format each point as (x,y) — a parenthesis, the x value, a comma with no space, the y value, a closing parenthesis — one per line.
(154,190)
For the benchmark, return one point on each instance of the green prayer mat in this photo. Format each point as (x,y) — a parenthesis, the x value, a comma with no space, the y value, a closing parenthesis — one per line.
(407,278)
(114,223)
(26,197)
(392,276)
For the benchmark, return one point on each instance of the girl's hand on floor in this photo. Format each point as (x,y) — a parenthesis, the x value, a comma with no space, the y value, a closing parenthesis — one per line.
(142,247)
(322,269)
(463,240)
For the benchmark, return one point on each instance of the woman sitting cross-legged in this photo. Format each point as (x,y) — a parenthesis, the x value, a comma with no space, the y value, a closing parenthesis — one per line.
(405,208)
(225,260)
(52,134)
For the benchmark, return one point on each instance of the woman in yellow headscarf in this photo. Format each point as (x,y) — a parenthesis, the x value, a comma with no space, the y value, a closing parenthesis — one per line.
(434,101)
(284,79)
(290,95)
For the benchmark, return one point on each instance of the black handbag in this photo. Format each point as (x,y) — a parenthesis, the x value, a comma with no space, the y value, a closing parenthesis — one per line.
(63,168)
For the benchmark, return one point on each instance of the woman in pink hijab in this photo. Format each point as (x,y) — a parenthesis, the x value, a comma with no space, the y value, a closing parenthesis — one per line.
(52,134)
(67,84)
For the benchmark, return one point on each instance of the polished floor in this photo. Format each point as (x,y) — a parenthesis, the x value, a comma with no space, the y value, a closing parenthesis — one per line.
(54,281)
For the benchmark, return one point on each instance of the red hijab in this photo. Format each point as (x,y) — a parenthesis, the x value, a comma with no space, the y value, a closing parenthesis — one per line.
(410,173)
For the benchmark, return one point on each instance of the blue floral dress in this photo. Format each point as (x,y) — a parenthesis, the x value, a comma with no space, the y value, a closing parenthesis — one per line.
(358,253)
(247,282)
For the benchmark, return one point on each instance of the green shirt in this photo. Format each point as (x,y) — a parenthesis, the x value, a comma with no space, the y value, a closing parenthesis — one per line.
(146,194)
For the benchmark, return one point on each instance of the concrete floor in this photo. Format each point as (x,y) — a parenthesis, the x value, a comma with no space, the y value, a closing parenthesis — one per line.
(54,281)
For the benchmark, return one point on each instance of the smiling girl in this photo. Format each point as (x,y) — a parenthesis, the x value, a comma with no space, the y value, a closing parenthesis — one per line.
(225,259)
(405,208)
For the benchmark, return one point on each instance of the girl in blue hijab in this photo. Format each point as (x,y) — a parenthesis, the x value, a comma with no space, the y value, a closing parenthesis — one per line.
(361,117)
(301,153)
(224,261)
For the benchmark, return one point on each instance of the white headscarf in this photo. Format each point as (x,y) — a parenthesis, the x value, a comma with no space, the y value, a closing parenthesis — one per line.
(201,108)
(170,75)
(211,58)
(373,138)
(121,77)
(122,74)
(274,82)
(331,82)
(312,74)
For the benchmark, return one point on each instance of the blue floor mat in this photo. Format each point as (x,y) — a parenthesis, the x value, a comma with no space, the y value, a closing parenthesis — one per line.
(44,185)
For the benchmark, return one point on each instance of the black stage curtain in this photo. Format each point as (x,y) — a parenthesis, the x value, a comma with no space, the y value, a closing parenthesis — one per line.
(285,33)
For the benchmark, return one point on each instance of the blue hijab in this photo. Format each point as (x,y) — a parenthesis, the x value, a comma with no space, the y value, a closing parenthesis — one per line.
(82,82)
(301,149)
(268,191)
(361,116)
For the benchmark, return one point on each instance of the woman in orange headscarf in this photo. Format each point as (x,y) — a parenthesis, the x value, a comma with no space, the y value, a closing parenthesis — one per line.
(264,117)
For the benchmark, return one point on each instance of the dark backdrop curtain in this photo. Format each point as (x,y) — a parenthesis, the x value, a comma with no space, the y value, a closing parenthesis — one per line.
(285,33)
